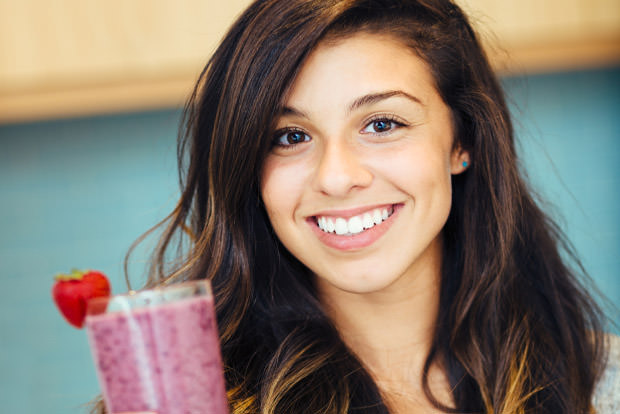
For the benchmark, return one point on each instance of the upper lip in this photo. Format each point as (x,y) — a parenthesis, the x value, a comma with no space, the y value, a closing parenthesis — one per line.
(351,212)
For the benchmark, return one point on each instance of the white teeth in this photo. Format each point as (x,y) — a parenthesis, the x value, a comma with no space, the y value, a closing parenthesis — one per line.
(329,225)
(376,216)
(367,221)
(341,226)
(353,225)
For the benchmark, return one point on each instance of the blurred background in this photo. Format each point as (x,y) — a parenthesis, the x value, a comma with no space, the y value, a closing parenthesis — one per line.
(90,98)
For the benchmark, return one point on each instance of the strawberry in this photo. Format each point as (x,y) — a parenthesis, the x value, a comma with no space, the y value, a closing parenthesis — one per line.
(72,291)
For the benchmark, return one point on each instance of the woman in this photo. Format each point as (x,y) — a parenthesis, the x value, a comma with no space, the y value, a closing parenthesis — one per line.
(350,187)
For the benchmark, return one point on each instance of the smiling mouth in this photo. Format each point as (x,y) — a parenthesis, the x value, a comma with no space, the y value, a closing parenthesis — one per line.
(353,225)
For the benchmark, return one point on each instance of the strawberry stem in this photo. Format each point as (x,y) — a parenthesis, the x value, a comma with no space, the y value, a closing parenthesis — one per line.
(75,274)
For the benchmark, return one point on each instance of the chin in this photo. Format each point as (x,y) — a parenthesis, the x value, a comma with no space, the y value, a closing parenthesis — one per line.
(355,282)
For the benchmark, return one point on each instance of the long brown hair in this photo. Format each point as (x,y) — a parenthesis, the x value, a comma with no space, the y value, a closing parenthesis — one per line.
(517,331)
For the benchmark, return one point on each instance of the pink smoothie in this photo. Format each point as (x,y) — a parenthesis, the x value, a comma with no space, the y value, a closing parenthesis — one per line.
(164,359)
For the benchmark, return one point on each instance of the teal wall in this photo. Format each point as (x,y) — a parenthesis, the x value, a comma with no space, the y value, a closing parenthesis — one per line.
(569,130)
(76,193)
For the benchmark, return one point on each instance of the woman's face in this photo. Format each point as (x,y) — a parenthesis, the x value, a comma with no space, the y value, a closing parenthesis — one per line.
(357,185)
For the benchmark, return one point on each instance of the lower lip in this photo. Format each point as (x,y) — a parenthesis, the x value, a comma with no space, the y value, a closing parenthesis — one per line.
(356,241)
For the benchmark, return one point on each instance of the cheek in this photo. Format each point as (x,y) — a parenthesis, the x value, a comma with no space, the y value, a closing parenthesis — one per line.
(279,190)
(416,168)
(269,189)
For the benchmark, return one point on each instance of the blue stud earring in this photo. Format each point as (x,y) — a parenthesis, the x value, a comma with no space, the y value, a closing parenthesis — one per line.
(465,164)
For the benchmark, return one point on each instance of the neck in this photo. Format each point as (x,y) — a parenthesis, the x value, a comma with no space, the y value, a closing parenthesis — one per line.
(391,330)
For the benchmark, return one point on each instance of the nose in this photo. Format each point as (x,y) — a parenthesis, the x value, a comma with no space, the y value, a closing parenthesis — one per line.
(340,170)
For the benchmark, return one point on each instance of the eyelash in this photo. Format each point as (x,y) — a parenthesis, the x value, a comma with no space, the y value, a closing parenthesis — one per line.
(388,118)
(283,132)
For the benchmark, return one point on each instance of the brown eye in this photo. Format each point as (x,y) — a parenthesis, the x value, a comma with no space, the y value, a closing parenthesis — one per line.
(381,125)
(290,138)
(295,137)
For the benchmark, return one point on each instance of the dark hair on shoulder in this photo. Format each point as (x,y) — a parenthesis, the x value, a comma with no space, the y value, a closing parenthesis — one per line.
(517,331)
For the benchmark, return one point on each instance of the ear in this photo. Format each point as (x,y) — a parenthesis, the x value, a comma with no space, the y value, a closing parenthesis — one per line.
(459,160)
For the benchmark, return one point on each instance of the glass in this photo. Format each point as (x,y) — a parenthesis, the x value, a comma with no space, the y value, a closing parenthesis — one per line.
(157,350)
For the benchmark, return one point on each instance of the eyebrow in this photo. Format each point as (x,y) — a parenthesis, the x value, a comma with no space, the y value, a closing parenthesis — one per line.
(368,99)
(372,98)
(287,110)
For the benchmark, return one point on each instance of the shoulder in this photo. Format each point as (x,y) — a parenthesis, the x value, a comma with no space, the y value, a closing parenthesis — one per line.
(607,393)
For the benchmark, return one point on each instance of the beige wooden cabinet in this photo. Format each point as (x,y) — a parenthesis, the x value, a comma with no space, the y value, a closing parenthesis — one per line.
(63,58)
(548,35)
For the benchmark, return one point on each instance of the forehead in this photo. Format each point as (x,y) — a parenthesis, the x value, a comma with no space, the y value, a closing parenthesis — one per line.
(362,62)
